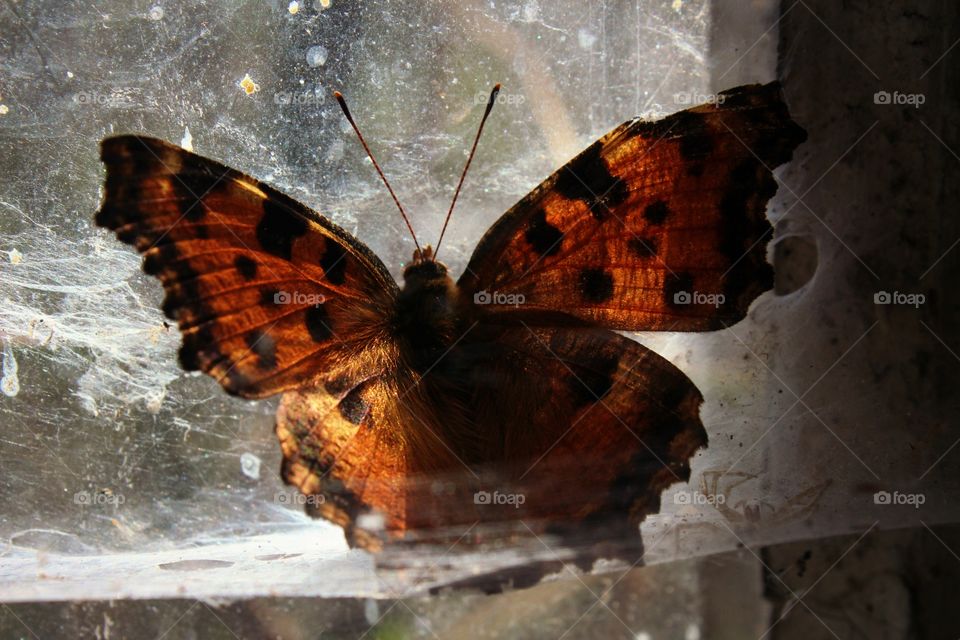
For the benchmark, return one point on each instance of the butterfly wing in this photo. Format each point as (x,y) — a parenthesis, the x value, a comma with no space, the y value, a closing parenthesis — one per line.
(577,429)
(657,225)
(267,293)
(347,447)
(599,426)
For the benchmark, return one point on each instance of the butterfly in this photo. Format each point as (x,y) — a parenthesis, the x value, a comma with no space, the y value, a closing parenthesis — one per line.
(444,407)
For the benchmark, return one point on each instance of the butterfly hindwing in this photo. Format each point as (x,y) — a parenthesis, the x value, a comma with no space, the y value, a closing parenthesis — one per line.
(266,292)
(598,426)
(656,226)
(585,426)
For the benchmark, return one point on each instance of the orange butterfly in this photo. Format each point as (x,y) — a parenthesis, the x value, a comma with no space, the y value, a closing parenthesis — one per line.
(504,397)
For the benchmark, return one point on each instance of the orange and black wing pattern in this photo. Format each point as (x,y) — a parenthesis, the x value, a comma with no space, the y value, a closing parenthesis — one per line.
(267,293)
(656,226)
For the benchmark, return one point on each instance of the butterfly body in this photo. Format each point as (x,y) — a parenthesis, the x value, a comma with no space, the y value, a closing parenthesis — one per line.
(430,313)
(505,397)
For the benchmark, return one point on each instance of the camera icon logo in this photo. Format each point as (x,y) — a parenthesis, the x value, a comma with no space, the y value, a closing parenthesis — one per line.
(482,297)
(682,297)
(881,497)
(681,498)
(481,497)
(881,297)
(282,297)
(881,97)
(82,498)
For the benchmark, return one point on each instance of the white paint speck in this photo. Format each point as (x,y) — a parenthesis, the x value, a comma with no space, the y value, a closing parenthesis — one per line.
(4,109)
(9,383)
(250,465)
(15,257)
(293,7)
(531,11)
(371,521)
(155,402)
(156,12)
(317,56)
(371,611)
(187,140)
(692,632)
(586,38)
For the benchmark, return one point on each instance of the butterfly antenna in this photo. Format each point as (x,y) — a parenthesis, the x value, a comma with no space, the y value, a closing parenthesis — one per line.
(346,112)
(473,150)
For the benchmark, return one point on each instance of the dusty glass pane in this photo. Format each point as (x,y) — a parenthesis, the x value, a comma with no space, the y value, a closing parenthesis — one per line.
(123,476)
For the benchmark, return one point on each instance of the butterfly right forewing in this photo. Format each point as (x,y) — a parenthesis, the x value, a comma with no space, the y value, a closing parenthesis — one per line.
(651,214)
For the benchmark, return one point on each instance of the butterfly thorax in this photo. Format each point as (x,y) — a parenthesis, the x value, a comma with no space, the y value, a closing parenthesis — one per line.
(428,313)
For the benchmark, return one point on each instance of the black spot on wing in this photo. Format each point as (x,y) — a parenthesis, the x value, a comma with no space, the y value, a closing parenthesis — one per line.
(656,212)
(265,348)
(353,407)
(695,169)
(591,383)
(678,290)
(278,228)
(588,179)
(545,238)
(246,266)
(198,345)
(338,386)
(270,297)
(318,323)
(642,247)
(696,139)
(334,262)
(596,284)
(191,189)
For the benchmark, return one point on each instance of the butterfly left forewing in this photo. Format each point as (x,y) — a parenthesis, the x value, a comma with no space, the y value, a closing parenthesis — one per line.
(266,292)
(656,226)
